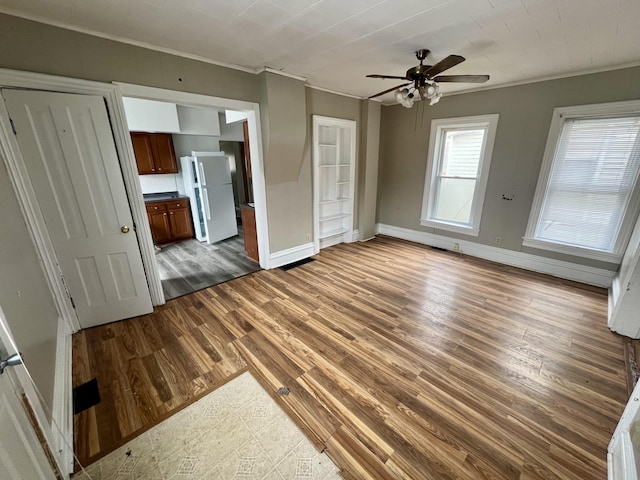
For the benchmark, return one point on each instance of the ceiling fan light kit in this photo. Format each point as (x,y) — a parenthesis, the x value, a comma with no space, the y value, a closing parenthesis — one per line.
(423,80)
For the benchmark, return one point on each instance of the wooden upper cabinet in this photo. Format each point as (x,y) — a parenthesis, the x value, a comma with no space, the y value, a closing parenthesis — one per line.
(144,153)
(154,153)
(165,155)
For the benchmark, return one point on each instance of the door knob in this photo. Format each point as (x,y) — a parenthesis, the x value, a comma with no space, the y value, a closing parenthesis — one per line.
(10,361)
(124,229)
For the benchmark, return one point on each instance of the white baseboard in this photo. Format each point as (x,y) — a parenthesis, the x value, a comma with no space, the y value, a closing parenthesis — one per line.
(62,410)
(355,235)
(557,268)
(290,255)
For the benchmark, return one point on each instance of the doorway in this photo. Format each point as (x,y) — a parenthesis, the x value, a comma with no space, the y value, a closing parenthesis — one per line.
(248,111)
(195,176)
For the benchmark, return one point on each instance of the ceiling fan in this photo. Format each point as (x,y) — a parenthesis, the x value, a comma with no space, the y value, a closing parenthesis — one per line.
(423,80)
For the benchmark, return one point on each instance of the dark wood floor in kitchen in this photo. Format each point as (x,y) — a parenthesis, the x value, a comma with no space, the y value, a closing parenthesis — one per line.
(191,265)
(402,361)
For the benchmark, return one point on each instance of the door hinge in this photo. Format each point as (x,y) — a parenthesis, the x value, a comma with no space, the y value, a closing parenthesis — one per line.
(13,127)
(73,304)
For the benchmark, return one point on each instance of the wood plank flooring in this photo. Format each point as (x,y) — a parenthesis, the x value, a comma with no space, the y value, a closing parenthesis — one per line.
(401,361)
(191,265)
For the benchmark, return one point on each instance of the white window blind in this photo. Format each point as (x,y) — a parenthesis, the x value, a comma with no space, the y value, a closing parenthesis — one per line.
(594,171)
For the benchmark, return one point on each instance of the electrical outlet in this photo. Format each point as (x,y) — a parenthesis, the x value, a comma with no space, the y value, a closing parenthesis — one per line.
(456,247)
(498,240)
(308,237)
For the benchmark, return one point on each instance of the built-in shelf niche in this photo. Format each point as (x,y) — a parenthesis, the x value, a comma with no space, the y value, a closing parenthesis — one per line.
(334,153)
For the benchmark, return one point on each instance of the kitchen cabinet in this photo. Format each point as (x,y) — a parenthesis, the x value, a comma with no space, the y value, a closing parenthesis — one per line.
(250,232)
(170,221)
(154,153)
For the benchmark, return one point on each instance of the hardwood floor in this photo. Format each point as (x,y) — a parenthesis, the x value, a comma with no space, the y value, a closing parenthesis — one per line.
(191,265)
(401,361)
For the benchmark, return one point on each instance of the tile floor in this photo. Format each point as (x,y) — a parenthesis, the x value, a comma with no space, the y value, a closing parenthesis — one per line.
(237,431)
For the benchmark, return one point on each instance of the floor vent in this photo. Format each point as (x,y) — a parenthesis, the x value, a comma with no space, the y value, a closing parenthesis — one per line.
(85,396)
(296,264)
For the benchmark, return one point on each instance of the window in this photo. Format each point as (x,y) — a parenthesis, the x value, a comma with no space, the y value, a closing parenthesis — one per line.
(586,199)
(457,168)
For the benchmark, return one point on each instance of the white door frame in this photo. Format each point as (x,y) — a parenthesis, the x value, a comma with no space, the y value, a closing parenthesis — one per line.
(255,145)
(52,436)
(112,94)
(27,198)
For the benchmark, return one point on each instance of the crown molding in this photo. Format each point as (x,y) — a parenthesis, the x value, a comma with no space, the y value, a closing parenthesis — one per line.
(260,70)
(128,41)
(170,51)
(545,79)
(335,92)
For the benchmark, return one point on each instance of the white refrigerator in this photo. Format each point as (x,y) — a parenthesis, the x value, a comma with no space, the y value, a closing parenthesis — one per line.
(207,181)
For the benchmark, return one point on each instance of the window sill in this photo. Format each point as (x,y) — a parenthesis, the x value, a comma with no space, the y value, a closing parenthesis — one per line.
(451,227)
(608,257)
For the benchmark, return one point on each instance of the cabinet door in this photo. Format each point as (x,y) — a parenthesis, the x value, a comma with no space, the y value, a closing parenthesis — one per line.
(143,150)
(180,221)
(250,233)
(159,222)
(164,154)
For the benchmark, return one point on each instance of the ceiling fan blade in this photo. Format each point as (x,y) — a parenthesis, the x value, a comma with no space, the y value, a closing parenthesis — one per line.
(389,90)
(385,76)
(462,78)
(445,64)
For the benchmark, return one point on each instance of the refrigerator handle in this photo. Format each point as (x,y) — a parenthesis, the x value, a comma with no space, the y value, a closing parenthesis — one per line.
(203,181)
(207,211)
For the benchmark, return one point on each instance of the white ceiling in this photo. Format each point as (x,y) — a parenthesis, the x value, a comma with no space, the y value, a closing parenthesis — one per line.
(335,43)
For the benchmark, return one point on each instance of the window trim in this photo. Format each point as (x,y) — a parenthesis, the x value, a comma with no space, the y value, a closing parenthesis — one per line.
(490,122)
(631,211)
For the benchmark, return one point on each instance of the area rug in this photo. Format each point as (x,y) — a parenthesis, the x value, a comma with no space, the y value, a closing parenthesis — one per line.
(237,431)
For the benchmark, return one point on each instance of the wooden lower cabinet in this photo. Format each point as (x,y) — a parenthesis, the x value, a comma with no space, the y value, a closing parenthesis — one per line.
(160,229)
(180,222)
(170,221)
(250,232)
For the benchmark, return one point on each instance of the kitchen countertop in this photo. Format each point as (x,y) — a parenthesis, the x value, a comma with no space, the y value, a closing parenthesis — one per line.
(162,197)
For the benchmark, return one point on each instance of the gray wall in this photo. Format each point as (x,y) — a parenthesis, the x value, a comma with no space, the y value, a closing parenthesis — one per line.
(24,293)
(286,160)
(525,116)
(368,168)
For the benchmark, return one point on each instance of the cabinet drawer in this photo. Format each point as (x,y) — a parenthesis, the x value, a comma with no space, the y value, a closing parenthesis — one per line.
(156,207)
(178,204)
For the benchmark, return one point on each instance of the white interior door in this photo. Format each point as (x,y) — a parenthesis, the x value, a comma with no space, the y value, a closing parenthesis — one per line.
(21,455)
(70,155)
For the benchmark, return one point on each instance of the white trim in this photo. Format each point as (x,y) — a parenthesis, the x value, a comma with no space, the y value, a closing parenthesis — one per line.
(27,197)
(255,144)
(170,51)
(328,90)
(571,250)
(355,236)
(438,125)
(280,72)
(630,214)
(341,123)
(547,78)
(557,268)
(450,227)
(22,383)
(290,255)
(62,410)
